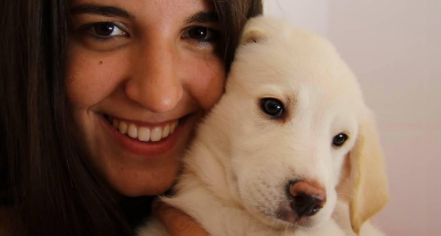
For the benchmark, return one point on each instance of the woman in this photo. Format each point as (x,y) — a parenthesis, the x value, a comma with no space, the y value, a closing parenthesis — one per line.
(99,100)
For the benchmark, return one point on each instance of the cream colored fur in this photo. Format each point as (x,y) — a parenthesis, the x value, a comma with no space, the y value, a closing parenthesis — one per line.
(238,168)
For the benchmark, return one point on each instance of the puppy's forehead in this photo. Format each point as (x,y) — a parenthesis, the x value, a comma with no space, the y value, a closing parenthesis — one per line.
(290,60)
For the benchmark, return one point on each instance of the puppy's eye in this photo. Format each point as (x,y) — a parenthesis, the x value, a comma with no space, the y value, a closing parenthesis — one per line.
(272,107)
(339,139)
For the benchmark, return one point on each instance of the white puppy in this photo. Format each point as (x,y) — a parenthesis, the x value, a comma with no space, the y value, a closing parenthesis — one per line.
(290,129)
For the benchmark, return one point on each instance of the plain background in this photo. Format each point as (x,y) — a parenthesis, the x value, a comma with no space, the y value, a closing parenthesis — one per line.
(394,47)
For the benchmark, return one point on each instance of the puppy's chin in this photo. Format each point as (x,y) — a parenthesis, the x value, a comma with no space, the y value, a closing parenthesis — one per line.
(289,218)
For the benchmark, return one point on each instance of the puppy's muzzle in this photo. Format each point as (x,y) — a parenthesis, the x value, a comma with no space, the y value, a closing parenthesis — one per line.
(308,198)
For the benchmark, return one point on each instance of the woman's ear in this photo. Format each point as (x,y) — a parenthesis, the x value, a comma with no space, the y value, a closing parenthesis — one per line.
(368,180)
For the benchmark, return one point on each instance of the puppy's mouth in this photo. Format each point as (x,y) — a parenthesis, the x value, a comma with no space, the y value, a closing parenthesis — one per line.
(290,216)
(300,209)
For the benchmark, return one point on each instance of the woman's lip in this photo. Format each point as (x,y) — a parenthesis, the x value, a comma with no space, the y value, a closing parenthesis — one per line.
(145,149)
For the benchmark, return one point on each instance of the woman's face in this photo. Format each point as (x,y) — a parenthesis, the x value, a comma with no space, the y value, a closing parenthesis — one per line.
(139,75)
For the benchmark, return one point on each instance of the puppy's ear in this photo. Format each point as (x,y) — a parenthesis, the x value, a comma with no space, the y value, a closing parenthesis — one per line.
(261,28)
(253,35)
(369,189)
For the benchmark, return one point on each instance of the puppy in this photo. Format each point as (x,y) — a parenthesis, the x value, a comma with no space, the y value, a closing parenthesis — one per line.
(290,129)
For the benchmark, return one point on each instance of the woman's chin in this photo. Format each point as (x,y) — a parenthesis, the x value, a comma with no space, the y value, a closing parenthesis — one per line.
(145,184)
(134,168)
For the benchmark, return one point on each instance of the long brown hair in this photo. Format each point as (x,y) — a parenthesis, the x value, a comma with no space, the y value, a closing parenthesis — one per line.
(43,175)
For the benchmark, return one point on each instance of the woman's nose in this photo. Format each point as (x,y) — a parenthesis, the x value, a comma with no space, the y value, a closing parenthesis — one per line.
(154,81)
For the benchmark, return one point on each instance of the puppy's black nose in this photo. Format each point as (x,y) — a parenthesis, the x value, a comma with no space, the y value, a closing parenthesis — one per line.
(308,198)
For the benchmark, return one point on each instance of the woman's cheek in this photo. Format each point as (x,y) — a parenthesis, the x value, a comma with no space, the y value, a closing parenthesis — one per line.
(207,82)
(90,78)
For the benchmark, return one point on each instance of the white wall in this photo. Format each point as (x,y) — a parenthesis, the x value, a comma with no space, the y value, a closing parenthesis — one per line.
(312,14)
(395,49)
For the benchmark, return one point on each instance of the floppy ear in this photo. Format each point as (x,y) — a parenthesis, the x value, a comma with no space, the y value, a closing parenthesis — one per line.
(368,180)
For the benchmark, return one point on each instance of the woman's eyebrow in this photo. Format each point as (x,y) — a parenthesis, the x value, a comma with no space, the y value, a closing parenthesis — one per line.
(203,17)
(96,9)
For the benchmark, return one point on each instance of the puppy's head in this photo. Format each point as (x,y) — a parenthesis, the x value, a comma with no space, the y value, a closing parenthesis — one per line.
(292,112)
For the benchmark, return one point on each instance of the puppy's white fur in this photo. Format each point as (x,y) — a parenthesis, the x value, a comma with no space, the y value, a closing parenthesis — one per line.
(237,171)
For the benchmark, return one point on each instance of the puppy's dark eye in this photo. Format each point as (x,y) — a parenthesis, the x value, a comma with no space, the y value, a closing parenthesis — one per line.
(272,107)
(339,139)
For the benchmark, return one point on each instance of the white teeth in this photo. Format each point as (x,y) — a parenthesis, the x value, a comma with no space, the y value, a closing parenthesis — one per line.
(144,134)
(173,126)
(122,127)
(165,131)
(156,134)
(133,131)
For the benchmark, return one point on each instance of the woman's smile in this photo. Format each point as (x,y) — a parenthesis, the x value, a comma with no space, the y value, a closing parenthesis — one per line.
(145,139)
(143,132)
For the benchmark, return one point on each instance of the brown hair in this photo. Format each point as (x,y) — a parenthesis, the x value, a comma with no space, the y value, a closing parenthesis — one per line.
(232,18)
(43,176)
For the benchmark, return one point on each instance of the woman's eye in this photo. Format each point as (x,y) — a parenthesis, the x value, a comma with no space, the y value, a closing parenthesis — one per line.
(102,36)
(108,29)
(103,30)
(202,34)
(272,107)
(339,140)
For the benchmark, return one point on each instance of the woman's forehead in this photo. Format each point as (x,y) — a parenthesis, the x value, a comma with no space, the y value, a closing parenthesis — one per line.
(134,8)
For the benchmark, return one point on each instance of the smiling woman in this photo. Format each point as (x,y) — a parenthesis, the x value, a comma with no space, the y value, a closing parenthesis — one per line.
(127,67)
(100,99)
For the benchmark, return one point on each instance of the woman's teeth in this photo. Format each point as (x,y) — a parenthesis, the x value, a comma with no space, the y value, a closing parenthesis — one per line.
(145,134)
